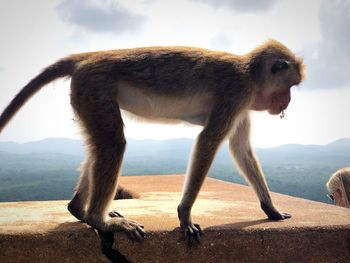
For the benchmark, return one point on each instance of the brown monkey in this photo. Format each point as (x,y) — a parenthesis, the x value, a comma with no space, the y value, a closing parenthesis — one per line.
(209,88)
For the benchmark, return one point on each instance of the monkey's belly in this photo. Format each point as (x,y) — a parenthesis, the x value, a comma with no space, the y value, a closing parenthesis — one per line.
(192,108)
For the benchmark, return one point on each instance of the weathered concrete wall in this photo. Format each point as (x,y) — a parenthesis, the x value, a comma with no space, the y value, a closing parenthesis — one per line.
(235,229)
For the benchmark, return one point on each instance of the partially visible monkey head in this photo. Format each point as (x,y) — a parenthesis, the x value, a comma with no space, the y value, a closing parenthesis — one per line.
(274,70)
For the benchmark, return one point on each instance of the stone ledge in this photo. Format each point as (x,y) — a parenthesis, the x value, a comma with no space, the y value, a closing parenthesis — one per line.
(235,229)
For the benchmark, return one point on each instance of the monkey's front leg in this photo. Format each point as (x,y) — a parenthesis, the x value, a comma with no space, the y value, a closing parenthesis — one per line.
(202,158)
(242,152)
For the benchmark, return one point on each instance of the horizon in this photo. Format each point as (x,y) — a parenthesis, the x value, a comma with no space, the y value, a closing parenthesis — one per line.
(318,110)
(170,139)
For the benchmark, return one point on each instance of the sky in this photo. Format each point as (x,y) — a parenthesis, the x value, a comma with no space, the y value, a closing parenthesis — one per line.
(35,34)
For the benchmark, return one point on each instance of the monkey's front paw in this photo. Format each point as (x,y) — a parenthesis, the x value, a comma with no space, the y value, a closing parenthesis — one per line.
(272,212)
(286,215)
(192,233)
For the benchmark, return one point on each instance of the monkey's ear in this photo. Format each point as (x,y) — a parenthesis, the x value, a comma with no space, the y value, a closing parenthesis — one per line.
(280,64)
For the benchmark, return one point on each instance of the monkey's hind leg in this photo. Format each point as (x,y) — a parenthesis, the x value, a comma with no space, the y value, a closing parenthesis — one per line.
(105,136)
(77,206)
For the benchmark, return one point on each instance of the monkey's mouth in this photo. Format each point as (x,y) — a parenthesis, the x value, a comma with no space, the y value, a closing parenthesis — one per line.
(282,110)
(279,102)
(278,109)
(285,101)
(283,107)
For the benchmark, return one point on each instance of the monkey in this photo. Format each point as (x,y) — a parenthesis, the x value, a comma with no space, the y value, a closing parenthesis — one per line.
(214,89)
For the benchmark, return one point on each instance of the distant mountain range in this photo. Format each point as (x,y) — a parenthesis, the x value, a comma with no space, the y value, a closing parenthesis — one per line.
(47,169)
(335,153)
(50,145)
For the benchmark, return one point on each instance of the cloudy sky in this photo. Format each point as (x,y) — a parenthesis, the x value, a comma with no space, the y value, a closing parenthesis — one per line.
(37,33)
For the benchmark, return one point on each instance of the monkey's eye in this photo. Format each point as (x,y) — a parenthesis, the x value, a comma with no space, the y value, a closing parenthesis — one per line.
(279,65)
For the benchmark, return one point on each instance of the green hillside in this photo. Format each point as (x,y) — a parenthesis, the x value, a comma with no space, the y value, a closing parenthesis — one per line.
(47,170)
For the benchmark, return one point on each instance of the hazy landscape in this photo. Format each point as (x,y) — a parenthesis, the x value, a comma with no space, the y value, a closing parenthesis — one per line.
(47,169)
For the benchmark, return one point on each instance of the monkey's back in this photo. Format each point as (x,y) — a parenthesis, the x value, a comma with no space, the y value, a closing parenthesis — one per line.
(167,70)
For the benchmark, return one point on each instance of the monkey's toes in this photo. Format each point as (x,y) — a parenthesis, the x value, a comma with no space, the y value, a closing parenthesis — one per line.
(114,213)
(192,233)
(118,224)
(137,233)
(134,230)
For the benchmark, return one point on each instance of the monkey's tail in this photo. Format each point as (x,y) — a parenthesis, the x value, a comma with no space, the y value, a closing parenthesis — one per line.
(63,67)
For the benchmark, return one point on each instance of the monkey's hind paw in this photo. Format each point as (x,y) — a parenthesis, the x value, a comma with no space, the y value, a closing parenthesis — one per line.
(192,233)
(134,230)
(76,211)
(114,213)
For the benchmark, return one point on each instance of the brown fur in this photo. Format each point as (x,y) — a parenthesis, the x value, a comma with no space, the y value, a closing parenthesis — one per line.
(210,88)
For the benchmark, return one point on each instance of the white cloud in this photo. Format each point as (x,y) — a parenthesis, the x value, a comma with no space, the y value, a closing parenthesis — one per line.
(331,67)
(241,5)
(99,16)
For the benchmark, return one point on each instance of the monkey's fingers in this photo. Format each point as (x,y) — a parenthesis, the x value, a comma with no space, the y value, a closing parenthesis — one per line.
(189,238)
(198,233)
(280,216)
(199,228)
(192,233)
(114,213)
(286,215)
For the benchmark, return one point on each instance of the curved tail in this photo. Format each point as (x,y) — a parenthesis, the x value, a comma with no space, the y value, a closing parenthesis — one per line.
(63,67)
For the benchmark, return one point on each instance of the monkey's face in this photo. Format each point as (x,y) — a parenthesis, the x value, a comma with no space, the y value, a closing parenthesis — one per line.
(280,75)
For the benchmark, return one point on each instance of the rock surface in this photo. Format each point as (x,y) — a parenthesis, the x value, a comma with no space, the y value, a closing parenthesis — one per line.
(234,228)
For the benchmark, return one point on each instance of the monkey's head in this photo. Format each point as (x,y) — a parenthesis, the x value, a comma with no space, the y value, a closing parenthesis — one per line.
(274,70)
